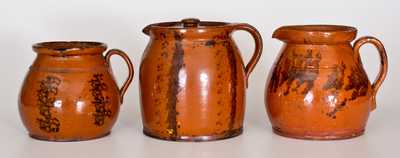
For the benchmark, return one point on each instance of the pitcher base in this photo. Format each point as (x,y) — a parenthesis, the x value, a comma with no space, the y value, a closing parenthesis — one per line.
(330,136)
(224,135)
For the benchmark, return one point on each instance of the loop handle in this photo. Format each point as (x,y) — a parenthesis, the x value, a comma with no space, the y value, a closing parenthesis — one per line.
(128,81)
(383,64)
(258,46)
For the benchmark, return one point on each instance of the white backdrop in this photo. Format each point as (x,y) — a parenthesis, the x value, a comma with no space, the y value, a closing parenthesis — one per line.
(119,23)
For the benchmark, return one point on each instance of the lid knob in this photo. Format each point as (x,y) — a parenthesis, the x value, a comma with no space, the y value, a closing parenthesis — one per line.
(190,22)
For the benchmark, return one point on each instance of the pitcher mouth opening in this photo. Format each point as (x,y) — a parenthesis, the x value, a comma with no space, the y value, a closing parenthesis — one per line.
(321,28)
(188,24)
(316,34)
(69,47)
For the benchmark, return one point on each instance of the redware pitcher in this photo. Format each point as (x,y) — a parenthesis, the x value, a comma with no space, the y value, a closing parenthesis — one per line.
(193,80)
(318,88)
(69,93)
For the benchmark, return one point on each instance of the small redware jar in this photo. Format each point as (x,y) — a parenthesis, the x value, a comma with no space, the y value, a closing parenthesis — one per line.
(69,93)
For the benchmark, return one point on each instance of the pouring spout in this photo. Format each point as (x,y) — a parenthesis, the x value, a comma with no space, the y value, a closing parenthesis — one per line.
(146,30)
(280,34)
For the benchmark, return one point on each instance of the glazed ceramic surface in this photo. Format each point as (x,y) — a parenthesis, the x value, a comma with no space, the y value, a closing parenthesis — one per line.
(193,80)
(69,93)
(318,88)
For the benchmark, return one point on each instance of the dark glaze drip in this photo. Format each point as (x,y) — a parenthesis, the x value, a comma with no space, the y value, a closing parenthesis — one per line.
(99,100)
(177,65)
(45,101)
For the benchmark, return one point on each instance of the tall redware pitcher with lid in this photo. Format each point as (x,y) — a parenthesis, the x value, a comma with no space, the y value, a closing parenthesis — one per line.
(193,80)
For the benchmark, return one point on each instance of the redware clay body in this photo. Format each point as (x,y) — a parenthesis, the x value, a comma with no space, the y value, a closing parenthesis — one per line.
(193,80)
(69,93)
(318,88)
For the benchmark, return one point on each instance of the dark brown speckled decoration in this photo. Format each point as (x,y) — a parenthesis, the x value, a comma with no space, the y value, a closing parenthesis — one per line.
(69,93)
(193,80)
(318,88)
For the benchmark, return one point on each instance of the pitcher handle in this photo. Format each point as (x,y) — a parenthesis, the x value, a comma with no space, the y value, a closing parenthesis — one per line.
(128,81)
(258,47)
(383,64)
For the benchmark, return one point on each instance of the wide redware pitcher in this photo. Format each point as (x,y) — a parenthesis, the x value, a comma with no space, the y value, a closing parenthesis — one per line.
(318,88)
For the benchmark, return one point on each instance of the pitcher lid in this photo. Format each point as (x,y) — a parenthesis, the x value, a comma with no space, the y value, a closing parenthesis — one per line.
(315,34)
(188,23)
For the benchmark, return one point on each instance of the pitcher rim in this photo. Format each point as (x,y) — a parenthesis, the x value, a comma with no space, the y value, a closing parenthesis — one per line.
(320,28)
(69,47)
(316,34)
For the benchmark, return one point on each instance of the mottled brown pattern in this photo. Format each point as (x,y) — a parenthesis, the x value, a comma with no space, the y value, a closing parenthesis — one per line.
(356,85)
(336,78)
(46,96)
(100,101)
(295,71)
(318,88)
(334,84)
